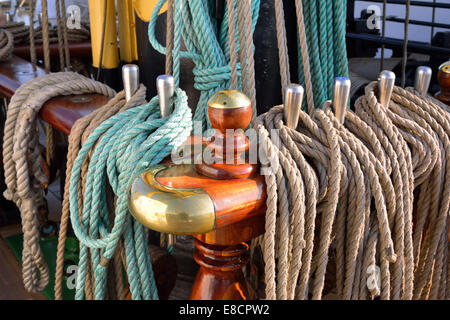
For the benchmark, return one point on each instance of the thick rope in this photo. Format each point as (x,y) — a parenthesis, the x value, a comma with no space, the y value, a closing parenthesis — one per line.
(208,50)
(22,154)
(6,45)
(116,159)
(385,155)
(79,133)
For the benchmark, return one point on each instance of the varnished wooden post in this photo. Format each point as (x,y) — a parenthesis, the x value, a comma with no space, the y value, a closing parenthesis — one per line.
(220,202)
(444,82)
(220,276)
(220,257)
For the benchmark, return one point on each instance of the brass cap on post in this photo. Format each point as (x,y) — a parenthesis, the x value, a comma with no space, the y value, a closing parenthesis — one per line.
(386,83)
(228,99)
(341,93)
(422,79)
(170,210)
(130,78)
(293,98)
(445,67)
(229,109)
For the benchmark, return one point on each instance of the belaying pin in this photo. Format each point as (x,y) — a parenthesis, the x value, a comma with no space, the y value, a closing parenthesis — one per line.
(386,83)
(422,79)
(165,85)
(293,98)
(130,78)
(341,93)
(7,17)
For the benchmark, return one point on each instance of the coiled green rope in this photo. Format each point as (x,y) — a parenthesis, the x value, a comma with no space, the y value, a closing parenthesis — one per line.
(126,144)
(195,23)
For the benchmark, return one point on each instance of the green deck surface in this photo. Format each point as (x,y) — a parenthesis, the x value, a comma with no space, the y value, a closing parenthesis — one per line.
(49,249)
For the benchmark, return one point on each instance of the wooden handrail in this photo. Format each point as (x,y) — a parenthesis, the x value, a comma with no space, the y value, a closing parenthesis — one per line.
(60,112)
(77,50)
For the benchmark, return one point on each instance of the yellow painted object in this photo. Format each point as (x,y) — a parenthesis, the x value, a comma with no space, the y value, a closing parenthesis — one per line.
(144,8)
(127,31)
(110,58)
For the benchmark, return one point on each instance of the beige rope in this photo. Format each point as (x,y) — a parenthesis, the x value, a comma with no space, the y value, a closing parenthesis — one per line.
(21,153)
(6,44)
(246,53)
(32,35)
(232,40)
(169,37)
(305,55)
(282,44)
(65,35)
(377,156)
(59,23)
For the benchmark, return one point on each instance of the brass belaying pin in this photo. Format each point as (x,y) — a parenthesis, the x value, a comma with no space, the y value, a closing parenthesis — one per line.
(130,78)
(386,83)
(165,85)
(293,98)
(422,79)
(7,17)
(341,93)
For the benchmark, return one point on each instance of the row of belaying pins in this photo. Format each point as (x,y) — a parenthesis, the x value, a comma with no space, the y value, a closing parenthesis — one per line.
(293,96)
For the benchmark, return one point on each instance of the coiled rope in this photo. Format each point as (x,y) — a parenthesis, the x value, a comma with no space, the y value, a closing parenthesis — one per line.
(23,175)
(210,53)
(357,180)
(126,144)
(78,135)
(17,29)
(379,154)
(6,45)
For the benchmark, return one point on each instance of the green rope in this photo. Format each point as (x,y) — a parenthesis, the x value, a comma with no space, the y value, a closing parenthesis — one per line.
(325,27)
(209,51)
(131,141)
(128,143)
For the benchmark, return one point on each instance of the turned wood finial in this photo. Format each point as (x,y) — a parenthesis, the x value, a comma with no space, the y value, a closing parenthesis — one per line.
(230,113)
(444,81)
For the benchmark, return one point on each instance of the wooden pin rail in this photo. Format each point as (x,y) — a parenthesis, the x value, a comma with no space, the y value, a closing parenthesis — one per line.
(60,112)
(77,50)
(444,82)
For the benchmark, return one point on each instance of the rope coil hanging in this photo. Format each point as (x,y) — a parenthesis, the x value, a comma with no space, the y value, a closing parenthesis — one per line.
(23,175)
(6,44)
(357,180)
